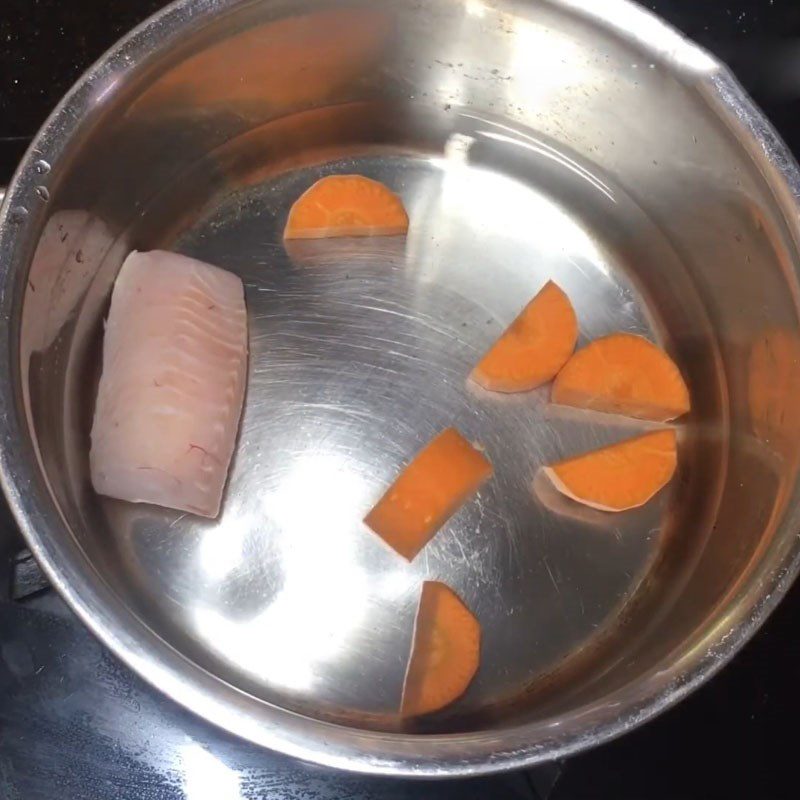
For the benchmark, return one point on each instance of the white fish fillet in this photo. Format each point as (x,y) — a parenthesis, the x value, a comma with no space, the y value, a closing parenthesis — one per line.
(173,382)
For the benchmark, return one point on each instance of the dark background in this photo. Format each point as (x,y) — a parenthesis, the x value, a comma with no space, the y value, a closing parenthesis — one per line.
(734,738)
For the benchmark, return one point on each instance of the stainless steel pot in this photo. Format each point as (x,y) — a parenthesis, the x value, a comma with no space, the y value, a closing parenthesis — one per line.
(569,139)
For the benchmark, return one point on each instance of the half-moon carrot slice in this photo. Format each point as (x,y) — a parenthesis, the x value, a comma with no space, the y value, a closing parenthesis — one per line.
(619,477)
(534,348)
(428,492)
(623,374)
(444,654)
(346,205)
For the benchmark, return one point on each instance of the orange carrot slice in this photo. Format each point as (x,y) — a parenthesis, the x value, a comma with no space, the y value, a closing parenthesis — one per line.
(619,477)
(444,654)
(346,205)
(623,374)
(428,492)
(534,348)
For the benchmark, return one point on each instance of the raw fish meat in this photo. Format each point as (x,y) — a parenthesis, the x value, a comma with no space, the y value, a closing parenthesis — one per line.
(173,382)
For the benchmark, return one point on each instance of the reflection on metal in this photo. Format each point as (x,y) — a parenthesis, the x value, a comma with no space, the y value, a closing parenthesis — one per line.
(646,29)
(206,777)
(540,148)
(310,619)
(71,249)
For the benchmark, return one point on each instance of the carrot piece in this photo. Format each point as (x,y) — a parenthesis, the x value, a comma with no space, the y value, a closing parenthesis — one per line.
(428,492)
(444,654)
(619,477)
(623,374)
(773,388)
(534,348)
(346,205)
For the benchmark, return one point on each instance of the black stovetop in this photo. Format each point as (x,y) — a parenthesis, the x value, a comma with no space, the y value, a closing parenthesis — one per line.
(77,725)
